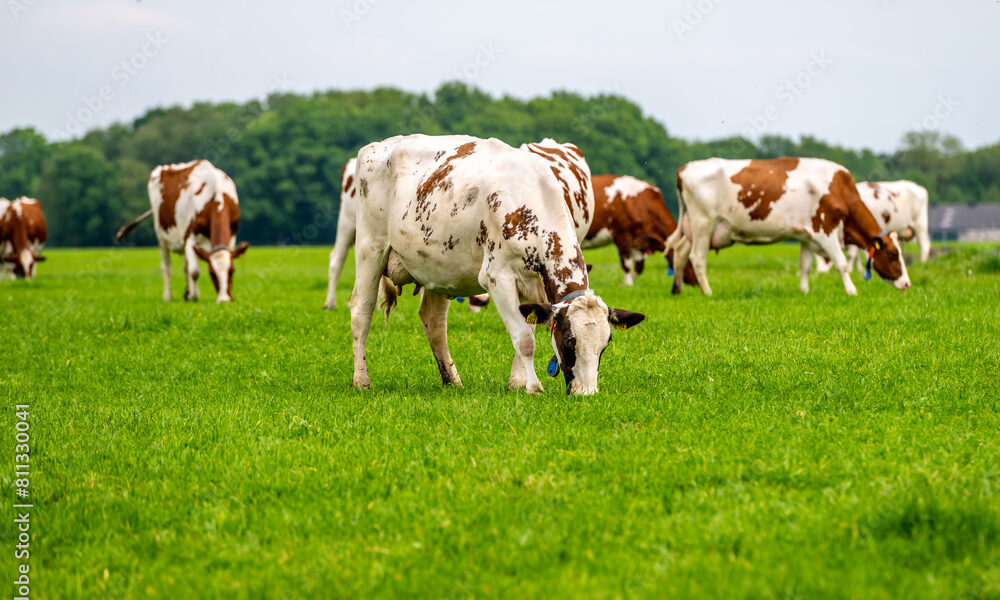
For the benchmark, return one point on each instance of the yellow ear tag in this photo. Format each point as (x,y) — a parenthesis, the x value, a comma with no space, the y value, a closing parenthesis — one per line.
(531,319)
(878,244)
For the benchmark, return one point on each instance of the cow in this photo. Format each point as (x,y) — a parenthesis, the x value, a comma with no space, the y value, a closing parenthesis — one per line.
(764,201)
(578,195)
(631,214)
(459,215)
(196,212)
(22,234)
(898,206)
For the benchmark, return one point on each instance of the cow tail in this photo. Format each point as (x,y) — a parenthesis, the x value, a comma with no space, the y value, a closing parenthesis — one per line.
(389,293)
(128,227)
(675,237)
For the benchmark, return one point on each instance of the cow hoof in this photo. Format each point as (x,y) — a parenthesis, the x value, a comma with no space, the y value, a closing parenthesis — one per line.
(675,290)
(330,306)
(362,383)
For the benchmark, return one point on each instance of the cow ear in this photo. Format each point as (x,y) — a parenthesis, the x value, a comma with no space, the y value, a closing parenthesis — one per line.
(201,254)
(536,314)
(623,319)
(589,268)
(241,249)
(878,244)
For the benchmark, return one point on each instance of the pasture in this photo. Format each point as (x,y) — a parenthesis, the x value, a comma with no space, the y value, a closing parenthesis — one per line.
(759,443)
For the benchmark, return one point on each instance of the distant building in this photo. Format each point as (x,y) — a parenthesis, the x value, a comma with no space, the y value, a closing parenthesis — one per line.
(965,222)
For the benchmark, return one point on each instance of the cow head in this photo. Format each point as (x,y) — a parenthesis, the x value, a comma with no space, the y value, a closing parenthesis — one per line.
(580,330)
(220,261)
(884,254)
(24,263)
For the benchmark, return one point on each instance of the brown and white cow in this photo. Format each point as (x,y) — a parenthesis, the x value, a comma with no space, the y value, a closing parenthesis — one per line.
(765,201)
(564,160)
(900,207)
(22,235)
(196,212)
(460,215)
(631,214)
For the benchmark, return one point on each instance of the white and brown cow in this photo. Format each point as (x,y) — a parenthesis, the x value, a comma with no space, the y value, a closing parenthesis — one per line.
(460,215)
(900,207)
(196,212)
(631,214)
(764,201)
(564,160)
(22,235)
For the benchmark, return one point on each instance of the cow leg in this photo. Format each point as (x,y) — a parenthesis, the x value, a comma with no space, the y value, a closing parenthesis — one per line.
(923,238)
(165,270)
(370,264)
(639,260)
(681,254)
(699,252)
(191,270)
(434,316)
(625,258)
(805,261)
(522,335)
(831,247)
(345,237)
(852,257)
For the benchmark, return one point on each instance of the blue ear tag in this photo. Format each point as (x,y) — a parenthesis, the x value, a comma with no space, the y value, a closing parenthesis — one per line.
(460,299)
(553,368)
(868,270)
(670,271)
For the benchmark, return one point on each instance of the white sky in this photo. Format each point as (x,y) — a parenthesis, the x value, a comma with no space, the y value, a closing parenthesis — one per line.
(853,72)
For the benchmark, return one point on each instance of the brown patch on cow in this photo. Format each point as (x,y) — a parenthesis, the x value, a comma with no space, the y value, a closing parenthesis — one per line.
(494,201)
(438,180)
(833,205)
(562,164)
(553,246)
(875,189)
(762,183)
(483,234)
(348,182)
(886,215)
(521,223)
(449,244)
(201,188)
(172,182)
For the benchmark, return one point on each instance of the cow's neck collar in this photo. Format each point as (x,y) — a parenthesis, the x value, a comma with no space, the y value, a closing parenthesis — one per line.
(572,295)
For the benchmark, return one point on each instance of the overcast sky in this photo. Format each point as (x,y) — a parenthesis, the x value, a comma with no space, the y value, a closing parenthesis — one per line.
(854,72)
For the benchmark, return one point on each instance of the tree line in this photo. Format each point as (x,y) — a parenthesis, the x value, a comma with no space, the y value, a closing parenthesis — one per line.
(286,153)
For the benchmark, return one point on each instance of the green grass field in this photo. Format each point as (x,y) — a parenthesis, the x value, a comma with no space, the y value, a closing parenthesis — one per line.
(760,443)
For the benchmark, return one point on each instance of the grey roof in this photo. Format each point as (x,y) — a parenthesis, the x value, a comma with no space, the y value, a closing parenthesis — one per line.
(956,217)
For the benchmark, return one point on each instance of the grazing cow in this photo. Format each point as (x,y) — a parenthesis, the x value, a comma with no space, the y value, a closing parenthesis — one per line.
(564,160)
(764,201)
(22,235)
(898,206)
(460,215)
(195,213)
(630,213)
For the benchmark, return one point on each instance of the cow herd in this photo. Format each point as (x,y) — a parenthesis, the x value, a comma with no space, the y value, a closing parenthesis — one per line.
(459,216)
